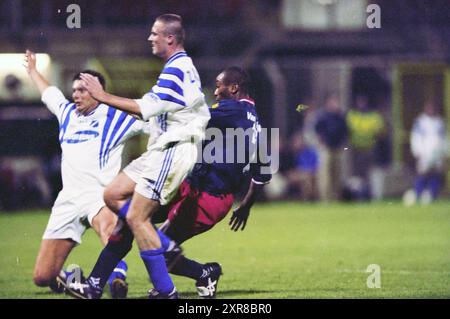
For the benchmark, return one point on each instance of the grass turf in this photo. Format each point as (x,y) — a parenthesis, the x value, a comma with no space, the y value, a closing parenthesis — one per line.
(288,250)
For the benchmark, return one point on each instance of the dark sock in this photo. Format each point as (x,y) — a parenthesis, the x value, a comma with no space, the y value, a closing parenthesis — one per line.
(187,268)
(117,248)
(419,185)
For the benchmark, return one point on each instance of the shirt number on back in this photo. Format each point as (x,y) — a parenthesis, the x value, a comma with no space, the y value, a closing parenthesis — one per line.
(194,77)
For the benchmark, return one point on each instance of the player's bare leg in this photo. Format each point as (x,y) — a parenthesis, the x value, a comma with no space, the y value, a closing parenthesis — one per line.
(104,223)
(118,191)
(50,260)
(141,209)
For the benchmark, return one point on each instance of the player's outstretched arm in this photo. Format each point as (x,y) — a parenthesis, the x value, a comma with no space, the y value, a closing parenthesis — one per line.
(37,78)
(96,90)
(240,214)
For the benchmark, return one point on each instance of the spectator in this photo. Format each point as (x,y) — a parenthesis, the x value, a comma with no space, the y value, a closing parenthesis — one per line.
(366,128)
(309,124)
(382,158)
(332,133)
(429,148)
(303,175)
(297,175)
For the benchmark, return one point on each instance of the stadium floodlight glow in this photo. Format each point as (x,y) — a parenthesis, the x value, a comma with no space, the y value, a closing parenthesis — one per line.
(13,62)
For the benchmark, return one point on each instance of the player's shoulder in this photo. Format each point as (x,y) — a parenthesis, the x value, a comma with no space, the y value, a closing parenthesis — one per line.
(247,102)
(180,61)
(226,106)
(52,90)
(103,110)
(110,112)
(248,106)
(52,94)
(233,105)
(236,109)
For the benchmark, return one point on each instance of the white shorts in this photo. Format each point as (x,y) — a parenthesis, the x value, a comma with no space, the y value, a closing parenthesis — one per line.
(158,173)
(71,217)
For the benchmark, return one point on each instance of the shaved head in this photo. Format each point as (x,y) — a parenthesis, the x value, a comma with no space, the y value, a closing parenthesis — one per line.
(173,24)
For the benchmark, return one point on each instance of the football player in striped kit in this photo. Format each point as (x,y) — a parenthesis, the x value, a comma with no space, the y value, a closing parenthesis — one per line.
(92,136)
(177,106)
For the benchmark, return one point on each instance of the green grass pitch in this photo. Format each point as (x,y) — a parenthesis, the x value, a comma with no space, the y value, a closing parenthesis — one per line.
(288,250)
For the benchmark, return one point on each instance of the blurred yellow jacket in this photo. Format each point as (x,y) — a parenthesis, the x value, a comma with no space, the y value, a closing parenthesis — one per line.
(365,128)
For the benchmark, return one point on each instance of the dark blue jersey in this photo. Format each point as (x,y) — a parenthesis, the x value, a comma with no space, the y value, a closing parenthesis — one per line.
(231,155)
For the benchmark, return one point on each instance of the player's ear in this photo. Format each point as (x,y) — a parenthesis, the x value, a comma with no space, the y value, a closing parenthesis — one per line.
(170,39)
(234,88)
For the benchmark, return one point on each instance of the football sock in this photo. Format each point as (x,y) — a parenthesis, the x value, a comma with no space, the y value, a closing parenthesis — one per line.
(434,184)
(165,240)
(187,268)
(124,210)
(117,248)
(156,266)
(419,185)
(119,272)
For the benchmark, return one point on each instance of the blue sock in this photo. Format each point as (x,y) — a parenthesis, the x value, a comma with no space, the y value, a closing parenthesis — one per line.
(156,267)
(165,240)
(124,210)
(434,183)
(419,185)
(117,248)
(119,272)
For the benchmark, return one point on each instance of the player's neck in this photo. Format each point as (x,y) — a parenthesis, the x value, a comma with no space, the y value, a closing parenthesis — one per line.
(171,53)
(243,97)
(89,109)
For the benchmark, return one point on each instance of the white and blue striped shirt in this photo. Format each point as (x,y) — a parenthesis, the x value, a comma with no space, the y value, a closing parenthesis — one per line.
(177,101)
(91,144)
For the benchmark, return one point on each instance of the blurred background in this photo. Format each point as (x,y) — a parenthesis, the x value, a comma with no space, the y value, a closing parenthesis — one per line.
(343,80)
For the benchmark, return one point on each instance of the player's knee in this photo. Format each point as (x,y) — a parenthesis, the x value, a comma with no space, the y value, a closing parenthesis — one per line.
(111,198)
(104,223)
(105,234)
(41,279)
(108,226)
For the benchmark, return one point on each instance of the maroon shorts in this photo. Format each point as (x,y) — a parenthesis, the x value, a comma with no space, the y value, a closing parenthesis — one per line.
(192,212)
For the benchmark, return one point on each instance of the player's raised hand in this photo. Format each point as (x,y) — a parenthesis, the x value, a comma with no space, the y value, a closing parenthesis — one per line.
(30,61)
(92,84)
(239,218)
